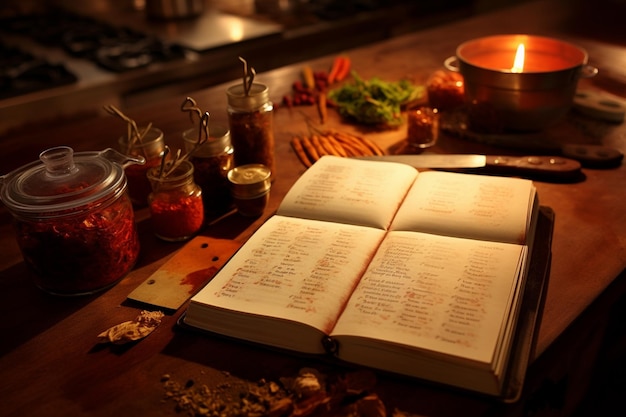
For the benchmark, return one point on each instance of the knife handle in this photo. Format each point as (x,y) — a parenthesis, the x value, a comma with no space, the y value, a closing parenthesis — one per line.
(549,166)
(594,156)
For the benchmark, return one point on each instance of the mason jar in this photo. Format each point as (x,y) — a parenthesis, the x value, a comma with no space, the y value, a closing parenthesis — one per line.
(211,161)
(175,203)
(251,122)
(73,219)
(151,148)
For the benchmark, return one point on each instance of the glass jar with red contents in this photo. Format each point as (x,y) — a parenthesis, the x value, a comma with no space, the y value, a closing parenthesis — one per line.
(151,148)
(251,122)
(212,160)
(73,218)
(175,203)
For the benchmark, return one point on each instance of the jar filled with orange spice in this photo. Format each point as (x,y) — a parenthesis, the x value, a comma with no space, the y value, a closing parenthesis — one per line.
(175,203)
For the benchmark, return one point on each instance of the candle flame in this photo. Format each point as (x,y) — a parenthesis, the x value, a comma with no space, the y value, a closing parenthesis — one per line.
(518,64)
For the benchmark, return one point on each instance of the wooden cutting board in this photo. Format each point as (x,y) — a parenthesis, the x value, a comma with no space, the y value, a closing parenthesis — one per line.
(185,273)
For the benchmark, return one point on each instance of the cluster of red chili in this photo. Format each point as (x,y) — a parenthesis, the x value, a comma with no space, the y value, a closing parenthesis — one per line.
(306,92)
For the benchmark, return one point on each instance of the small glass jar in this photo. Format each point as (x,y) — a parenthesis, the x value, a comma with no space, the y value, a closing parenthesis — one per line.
(445,90)
(74,221)
(175,203)
(212,161)
(151,148)
(251,122)
(250,187)
(422,127)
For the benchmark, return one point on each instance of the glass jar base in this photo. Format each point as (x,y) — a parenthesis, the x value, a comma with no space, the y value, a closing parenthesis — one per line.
(174,239)
(82,293)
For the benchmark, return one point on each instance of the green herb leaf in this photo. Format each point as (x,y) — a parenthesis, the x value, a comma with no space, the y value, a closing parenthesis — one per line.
(374,102)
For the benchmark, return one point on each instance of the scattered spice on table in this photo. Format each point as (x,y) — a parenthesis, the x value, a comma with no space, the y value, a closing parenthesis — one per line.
(310,393)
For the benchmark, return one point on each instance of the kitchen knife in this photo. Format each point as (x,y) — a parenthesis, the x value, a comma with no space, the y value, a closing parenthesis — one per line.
(185,273)
(545,167)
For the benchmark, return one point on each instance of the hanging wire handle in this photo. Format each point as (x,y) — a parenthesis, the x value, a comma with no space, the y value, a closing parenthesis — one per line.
(167,167)
(248,76)
(133,134)
(189,105)
(203,128)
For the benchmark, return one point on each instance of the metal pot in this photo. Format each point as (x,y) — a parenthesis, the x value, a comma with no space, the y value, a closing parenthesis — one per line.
(527,99)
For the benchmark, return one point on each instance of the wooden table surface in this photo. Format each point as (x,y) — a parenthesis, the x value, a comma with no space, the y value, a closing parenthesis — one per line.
(51,364)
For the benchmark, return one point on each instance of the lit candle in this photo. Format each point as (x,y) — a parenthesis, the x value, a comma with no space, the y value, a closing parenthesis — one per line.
(518,63)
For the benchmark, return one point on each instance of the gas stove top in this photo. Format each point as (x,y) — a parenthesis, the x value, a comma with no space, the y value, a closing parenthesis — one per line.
(22,72)
(113,48)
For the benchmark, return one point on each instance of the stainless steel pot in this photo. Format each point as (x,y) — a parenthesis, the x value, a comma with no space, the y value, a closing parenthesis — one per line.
(530,100)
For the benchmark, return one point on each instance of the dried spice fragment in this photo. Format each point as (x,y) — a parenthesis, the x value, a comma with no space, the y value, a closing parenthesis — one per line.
(130,331)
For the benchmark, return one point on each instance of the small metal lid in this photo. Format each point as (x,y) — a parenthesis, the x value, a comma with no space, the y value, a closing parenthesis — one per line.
(218,141)
(257,96)
(248,181)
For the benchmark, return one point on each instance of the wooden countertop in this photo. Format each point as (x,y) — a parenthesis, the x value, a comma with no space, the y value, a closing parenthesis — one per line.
(50,363)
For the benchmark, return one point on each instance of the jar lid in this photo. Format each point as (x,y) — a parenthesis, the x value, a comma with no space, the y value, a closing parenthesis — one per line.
(62,181)
(151,146)
(250,180)
(219,139)
(257,96)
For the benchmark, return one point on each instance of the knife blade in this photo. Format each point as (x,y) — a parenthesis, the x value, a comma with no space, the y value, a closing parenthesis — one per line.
(539,166)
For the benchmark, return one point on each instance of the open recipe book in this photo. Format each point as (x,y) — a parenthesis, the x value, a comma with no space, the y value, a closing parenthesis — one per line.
(420,274)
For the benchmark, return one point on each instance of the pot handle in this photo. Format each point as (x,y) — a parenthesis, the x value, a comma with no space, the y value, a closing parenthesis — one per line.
(452,63)
(588,71)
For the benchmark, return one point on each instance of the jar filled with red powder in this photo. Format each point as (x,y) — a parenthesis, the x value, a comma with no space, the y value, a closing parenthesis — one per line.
(151,148)
(74,220)
(175,203)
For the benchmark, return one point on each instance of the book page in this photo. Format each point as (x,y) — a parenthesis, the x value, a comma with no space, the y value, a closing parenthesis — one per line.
(351,191)
(466,205)
(292,269)
(439,294)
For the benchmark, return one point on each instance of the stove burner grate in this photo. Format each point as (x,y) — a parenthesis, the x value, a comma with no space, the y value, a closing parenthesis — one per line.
(112,47)
(22,73)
